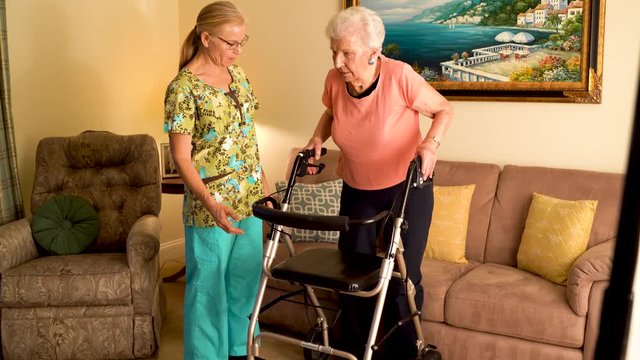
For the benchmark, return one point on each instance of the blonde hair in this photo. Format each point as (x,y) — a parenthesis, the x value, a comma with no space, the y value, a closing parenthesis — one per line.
(368,22)
(210,18)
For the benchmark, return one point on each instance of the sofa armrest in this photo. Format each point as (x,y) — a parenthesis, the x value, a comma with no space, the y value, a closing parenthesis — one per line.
(16,244)
(143,246)
(594,265)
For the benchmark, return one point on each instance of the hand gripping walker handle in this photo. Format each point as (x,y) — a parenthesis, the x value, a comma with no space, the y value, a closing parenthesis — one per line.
(309,153)
(419,182)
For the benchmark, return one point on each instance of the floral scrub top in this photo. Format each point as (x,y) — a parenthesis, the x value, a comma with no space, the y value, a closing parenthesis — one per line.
(223,141)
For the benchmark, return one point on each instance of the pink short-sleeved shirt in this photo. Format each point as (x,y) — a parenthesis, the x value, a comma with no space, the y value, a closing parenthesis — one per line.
(379,133)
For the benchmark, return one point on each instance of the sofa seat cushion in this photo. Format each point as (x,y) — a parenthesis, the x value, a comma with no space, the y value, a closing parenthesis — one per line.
(437,278)
(504,300)
(68,280)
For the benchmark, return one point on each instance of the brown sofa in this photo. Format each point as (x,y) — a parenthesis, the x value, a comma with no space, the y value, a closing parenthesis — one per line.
(489,309)
(103,303)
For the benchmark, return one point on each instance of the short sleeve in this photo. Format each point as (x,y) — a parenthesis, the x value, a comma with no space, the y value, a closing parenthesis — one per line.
(179,109)
(414,87)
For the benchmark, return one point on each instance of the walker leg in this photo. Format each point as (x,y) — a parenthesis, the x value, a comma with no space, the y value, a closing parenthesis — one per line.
(268,259)
(254,319)
(322,319)
(411,299)
(387,266)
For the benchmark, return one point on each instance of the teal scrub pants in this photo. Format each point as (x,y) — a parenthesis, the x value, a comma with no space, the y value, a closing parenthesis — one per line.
(223,276)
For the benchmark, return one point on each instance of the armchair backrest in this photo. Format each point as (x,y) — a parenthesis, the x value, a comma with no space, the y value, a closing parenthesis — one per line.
(118,174)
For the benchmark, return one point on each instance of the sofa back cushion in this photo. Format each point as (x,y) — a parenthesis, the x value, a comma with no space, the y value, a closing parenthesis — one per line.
(513,198)
(485,178)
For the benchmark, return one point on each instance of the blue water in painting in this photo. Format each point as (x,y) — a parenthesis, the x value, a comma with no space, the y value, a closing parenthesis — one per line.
(430,44)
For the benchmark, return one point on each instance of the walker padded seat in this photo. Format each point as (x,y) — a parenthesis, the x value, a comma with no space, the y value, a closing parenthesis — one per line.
(331,269)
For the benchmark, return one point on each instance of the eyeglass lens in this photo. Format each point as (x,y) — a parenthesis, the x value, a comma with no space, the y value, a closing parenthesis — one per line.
(235,44)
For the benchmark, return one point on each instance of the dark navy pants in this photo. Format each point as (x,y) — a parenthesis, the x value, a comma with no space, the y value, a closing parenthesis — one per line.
(357,313)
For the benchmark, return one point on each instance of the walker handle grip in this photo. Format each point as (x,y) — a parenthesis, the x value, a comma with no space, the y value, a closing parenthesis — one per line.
(311,153)
(419,182)
(304,157)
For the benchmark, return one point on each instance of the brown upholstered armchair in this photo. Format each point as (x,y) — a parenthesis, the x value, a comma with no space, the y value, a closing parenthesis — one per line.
(107,301)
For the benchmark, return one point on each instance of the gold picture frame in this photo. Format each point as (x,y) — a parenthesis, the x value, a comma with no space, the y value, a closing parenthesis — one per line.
(562,63)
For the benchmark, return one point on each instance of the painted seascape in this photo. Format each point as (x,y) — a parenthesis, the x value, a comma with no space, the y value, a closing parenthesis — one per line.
(485,40)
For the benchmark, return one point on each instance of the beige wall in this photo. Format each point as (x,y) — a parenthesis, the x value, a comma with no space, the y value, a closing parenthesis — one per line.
(89,64)
(104,65)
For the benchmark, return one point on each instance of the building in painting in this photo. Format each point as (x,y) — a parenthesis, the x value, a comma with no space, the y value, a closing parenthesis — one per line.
(522,19)
(538,16)
(562,14)
(574,8)
(529,17)
(557,4)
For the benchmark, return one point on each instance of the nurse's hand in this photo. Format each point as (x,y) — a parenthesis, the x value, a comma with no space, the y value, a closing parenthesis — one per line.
(222,215)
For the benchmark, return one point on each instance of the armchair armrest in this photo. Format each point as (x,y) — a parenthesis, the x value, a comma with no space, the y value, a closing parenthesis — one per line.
(16,244)
(594,265)
(143,245)
(143,241)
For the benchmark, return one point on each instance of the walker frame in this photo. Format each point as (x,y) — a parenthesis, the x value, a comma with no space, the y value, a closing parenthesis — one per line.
(376,271)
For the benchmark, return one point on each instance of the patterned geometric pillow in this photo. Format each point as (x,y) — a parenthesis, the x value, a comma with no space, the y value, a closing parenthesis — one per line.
(314,199)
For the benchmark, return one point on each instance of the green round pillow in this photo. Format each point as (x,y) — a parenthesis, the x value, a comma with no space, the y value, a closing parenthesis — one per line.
(65,224)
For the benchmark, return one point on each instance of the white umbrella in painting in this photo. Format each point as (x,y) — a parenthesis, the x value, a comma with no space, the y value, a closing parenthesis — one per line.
(523,37)
(504,36)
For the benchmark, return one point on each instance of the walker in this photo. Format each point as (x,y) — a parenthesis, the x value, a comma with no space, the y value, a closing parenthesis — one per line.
(333,270)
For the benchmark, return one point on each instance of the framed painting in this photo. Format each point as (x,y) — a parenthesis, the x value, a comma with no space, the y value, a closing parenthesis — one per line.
(499,50)
(169,170)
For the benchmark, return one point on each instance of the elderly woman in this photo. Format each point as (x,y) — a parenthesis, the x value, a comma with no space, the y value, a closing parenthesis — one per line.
(372,111)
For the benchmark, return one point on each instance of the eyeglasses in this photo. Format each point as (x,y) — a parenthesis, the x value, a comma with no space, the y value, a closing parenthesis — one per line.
(234,45)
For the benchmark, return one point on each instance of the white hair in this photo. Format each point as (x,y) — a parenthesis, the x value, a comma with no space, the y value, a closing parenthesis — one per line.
(367,21)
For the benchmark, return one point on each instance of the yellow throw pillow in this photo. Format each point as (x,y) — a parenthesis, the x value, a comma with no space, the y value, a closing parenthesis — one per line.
(556,233)
(449,223)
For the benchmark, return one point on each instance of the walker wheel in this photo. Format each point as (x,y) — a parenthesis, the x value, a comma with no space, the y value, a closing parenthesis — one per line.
(430,352)
(315,336)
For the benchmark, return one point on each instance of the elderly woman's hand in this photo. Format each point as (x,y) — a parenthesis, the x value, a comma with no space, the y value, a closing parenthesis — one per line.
(316,144)
(427,150)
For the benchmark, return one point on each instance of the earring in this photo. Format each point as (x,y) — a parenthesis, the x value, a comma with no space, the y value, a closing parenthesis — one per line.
(371,61)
